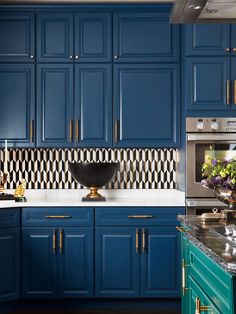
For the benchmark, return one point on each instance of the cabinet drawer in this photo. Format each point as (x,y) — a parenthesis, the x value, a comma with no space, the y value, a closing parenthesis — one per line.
(52,216)
(9,217)
(137,216)
(215,282)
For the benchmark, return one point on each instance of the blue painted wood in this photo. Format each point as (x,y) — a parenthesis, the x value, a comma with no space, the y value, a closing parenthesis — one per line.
(160,263)
(205,81)
(39,263)
(76,263)
(9,263)
(233,39)
(17,104)
(54,105)
(93,37)
(93,101)
(55,37)
(147,105)
(17,37)
(233,80)
(145,37)
(117,263)
(9,217)
(206,39)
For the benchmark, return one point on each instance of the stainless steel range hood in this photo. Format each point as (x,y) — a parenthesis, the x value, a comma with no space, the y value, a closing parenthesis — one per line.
(203,11)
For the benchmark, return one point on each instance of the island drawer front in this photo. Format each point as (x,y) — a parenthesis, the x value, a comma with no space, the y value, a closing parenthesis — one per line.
(9,217)
(54,216)
(212,278)
(137,216)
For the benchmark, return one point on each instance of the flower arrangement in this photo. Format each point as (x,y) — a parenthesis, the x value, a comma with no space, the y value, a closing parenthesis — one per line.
(219,174)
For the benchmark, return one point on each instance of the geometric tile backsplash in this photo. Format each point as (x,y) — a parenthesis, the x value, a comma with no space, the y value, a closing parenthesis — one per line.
(48,168)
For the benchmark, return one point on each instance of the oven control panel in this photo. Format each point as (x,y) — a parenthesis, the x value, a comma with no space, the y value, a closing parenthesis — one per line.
(211,125)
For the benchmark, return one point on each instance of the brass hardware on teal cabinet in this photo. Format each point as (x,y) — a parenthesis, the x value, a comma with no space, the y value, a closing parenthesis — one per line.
(77,130)
(201,308)
(54,241)
(31,131)
(227,92)
(184,289)
(143,241)
(137,241)
(234,92)
(141,216)
(61,241)
(57,217)
(71,130)
(181,229)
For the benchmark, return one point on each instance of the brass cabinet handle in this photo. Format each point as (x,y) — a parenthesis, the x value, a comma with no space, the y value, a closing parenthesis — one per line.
(227,92)
(71,130)
(77,130)
(234,49)
(54,241)
(58,217)
(137,241)
(234,92)
(61,241)
(201,308)
(143,241)
(141,216)
(31,131)
(184,289)
(181,229)
(117,131)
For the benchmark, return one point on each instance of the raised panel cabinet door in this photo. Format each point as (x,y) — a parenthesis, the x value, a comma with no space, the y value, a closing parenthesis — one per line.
(147,104)
(207,39)
(17,37)
(39,262)
(93,37)
(184,273)
(76,262)
(9,264)
(233,40)
(93,108)
(160,262)
(55,37)
(207,81)
(145,37)
(55,105)
(117,263)
(233,83)
(17,104)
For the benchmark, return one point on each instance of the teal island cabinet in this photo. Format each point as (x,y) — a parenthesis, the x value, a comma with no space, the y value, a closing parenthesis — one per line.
(208,269)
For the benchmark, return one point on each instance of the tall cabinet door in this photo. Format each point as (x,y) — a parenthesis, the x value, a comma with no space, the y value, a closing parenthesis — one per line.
(17,37)
(39,262)
(55,37)
(9,263)
(76,266)
(146,105)
(93,105)
(17,104)
(160,262)
(233,82)
(55,105)
(117,262)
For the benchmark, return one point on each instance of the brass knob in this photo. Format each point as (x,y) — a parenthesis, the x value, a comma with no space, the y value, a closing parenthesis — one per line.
(71,57)
(115,57)
(32,57)
(234,49)
(76,57)
(227,49)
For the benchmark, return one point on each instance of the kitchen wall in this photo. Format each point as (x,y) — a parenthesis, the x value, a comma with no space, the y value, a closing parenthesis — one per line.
(48,168)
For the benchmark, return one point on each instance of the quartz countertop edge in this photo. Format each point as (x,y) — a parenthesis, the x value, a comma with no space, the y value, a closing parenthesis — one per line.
(114,198)
(204,239)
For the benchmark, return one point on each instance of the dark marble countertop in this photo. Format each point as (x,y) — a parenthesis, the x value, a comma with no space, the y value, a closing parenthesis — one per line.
(207,238)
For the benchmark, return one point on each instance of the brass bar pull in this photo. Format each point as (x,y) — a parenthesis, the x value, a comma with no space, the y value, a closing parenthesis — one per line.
(181,229)
(141,216)
(71,130)
(234,92)
(117,131)
(228,92)
(58,217)
(61,241)
(137,241)
(143,241)
(77,130)
(184,289)
(31,131)
(201,308)
(54,241)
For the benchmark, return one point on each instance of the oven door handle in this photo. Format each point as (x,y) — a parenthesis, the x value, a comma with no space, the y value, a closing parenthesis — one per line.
(211,137)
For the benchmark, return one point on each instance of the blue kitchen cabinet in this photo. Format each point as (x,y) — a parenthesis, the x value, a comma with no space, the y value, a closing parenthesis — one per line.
(17,101)
(160,262)
(93,105)
(206,40)
(55,105)
(146,105)
(93,37)
(117,262)
(17,37)
(55,40)
(10,254)
(145,37)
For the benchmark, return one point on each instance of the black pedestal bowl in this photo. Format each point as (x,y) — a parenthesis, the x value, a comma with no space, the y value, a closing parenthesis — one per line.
(93,176)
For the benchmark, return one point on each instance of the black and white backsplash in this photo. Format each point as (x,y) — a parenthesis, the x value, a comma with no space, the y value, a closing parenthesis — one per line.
(48,168)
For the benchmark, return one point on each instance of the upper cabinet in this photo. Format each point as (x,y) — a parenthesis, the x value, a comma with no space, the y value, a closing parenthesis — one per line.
(17,37)
(145,37)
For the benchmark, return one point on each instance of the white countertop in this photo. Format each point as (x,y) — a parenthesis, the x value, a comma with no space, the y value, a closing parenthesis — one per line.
(115,198)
